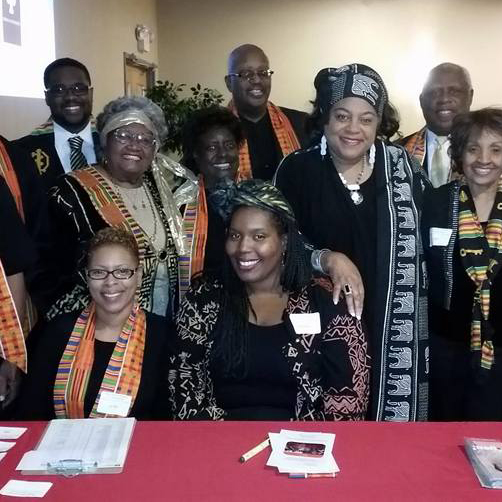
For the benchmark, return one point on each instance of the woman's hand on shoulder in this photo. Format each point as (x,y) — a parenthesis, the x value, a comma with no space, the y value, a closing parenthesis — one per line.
(346,279)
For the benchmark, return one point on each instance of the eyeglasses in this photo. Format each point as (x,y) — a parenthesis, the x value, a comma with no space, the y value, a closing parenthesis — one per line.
(98,274)
(250,74)
(127,138)
(77,89)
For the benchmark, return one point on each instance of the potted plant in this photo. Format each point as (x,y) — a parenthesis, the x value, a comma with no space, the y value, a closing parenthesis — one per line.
(178,106)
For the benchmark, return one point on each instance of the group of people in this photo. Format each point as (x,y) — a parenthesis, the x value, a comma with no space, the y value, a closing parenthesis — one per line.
(290,266)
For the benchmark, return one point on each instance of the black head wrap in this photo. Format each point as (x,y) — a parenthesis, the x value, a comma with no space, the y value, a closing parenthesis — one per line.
(228,195)
(350,81)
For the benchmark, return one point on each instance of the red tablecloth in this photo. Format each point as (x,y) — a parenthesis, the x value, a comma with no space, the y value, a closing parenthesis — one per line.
(175,461)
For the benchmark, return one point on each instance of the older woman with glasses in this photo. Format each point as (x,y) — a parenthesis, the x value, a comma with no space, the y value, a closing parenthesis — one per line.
(131,189)
(108,359)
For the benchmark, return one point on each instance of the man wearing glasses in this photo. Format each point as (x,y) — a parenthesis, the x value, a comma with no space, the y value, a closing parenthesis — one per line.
(67,141)
(271,132)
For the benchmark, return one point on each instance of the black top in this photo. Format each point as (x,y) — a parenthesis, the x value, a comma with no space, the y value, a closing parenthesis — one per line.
(36,399)
(17,251)
(264,151)
(216,235)
(268,391)
(328,217)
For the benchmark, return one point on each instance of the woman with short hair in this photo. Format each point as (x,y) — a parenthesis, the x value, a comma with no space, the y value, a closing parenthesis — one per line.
(111,349)
(462,233)
(131,188)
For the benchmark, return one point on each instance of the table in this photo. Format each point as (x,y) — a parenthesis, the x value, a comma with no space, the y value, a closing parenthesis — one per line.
(189,461)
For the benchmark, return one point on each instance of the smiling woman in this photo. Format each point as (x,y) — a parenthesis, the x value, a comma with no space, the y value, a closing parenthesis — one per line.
(356,193)
(131,188)
(252,354)
(462,231)
(111,349)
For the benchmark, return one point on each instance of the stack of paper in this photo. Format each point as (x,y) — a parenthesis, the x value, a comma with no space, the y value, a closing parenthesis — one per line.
(303,454)
(486,459)
(81,446)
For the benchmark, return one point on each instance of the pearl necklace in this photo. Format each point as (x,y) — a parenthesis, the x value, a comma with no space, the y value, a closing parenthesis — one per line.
(355,194)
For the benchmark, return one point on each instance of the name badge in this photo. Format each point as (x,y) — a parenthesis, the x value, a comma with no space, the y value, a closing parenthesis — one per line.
(306,324)
(439,236)
(114,404)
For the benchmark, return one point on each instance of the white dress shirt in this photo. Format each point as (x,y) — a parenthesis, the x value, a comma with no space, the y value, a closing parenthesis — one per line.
(61,137)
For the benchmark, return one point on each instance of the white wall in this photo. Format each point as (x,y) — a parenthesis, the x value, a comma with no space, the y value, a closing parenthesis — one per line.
(401,39)
(96,32)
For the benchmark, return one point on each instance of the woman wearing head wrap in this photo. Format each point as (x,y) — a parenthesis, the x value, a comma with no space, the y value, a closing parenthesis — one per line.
(462,233)
(356,193)
(131,188)
(246,348)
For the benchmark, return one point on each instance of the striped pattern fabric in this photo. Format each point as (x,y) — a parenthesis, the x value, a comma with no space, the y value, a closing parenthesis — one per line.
(77,158)
(195,221)
(415,145)
(122,375)
(12,346)
(284,132)
(480,252)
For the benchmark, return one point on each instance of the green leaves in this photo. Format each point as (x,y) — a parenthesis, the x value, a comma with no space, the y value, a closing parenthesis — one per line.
(178,104)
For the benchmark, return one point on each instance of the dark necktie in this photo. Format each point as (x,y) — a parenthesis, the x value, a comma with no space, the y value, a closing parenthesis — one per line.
(77,158)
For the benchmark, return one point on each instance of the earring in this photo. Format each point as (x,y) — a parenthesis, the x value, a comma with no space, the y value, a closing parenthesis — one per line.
(324,146)
(371,156)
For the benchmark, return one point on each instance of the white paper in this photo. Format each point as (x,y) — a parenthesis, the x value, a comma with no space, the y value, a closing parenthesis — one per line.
(101,440)
(111,403)
(11,432)
(2,455)
(302,460)
(15,488)
(439,236)
(6,445)
(306,324)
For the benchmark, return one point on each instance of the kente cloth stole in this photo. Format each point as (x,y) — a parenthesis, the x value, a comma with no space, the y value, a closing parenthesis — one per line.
(284,132)
(108,204)
(481,256)
(195,221)
(122,375)
(48,127)
(13,326)
(12,346)
(7,171)
(416,145)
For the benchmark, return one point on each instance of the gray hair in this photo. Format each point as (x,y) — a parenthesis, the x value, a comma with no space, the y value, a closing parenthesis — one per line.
(124,103)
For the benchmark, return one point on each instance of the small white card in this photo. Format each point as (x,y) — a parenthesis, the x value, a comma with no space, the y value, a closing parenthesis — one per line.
(111,403)
(11,432)
(6,445)
(306,324)
(439,236)
(15,488)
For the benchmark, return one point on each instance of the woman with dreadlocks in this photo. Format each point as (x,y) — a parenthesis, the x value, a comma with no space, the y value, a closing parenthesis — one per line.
(266,341)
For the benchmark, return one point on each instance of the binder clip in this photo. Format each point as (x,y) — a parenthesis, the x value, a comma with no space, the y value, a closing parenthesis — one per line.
(69,468)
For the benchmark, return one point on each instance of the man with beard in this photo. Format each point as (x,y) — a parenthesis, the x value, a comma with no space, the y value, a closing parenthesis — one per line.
(446,93)
(271,132)
(67,140)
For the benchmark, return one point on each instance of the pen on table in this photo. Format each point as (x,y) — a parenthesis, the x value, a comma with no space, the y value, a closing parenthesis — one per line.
(254,451)
(303,475)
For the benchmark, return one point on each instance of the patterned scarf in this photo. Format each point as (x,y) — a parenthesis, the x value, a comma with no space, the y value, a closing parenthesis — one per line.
(12,347)
(48,127)
(284,132)
(479,251)
(195,221)
(415,145)
(122,375)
